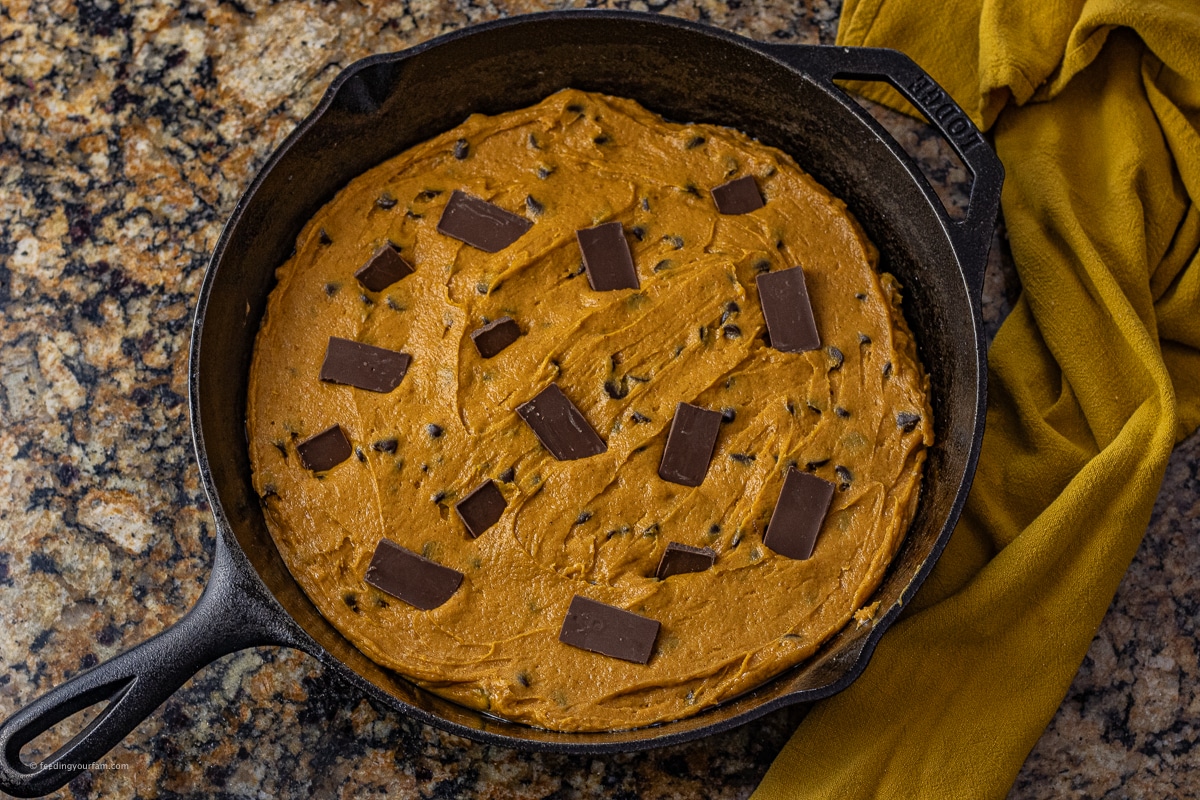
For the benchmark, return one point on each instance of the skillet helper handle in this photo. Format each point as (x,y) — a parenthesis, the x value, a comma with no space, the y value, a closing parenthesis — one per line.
(229,616)
(972,235)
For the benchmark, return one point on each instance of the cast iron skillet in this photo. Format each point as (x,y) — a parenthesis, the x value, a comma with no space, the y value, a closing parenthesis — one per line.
(782,94)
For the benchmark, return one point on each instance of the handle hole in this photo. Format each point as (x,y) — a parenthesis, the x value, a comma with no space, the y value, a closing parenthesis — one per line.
(938,162)
(46,744)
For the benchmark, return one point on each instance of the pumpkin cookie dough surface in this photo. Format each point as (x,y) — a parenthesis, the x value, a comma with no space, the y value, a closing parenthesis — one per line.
(853,412)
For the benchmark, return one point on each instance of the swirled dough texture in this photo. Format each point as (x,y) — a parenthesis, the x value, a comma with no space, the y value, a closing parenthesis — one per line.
(597,527)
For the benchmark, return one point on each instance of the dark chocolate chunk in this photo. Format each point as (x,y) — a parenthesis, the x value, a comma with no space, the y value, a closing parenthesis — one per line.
(679,558)
(609,630)
(690,445)
(799,512)
(482,508)
(740,196)
(324,450)
(365,366)
(414,579)
(495,336)
(481,224)
(606,257)
(385,267)
(560,426)
(789,315)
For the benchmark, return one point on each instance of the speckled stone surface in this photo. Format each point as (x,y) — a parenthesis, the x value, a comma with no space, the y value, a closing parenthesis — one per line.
(127,132)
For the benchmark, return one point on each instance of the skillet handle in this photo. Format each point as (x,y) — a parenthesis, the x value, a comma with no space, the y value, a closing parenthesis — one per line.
(231,614)
(972,235)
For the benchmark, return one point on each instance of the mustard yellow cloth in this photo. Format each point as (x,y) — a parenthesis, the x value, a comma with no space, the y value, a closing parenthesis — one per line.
(1095,110)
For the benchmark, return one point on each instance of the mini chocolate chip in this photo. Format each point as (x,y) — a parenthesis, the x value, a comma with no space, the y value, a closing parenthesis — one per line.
(576,108)
(462,149)
(385,446)
(714,528)
(351,601)
(391,303)
(615,390)
(438,497)
(323,237)
(742,458)
(413,215)
(691,189)
(433,430)
(645,204)
(836,356)
(366,300)
(762,265)
(638,232)
(637,450)
(791,407)
(844,475)
(535,208)
(638,418)
(731,308)
(696,142)
(583,517)
(524,679)
(864,339)
(652,530)
(661,265)
(282,450)
(361,455)
(728,414)
(674,241)
(732,332)
(887,370)
(544,172)
(841,412)
(533,142)
(907,421)
(268,492)
(779,244)
(386,200)
(332,288)
(507,476)
(427,195)
(482,287)
(812,407)
(860,296)
(703,332)
(736,540)
(602,139)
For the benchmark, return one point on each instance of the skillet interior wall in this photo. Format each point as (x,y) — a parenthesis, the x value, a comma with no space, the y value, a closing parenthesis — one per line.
(684,75)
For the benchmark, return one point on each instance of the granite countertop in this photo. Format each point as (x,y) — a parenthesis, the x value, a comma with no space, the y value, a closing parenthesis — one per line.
(128,131)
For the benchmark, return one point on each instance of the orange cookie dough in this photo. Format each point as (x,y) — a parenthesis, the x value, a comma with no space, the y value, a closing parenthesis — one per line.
(854,412)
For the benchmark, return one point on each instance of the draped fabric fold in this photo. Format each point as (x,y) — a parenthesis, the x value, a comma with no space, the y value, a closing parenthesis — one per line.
(1094,106)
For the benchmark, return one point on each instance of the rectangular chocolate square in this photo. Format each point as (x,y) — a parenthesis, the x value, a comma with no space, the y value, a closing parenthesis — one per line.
(679,558)
(385,267)
(365,366)
(481,224)
(799,512)
(784,300)
(609,630)
(414,579)
(606,257)
(324,450)
(482,508)
(560,426)
(690,444)
(740,196)
(495,336)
